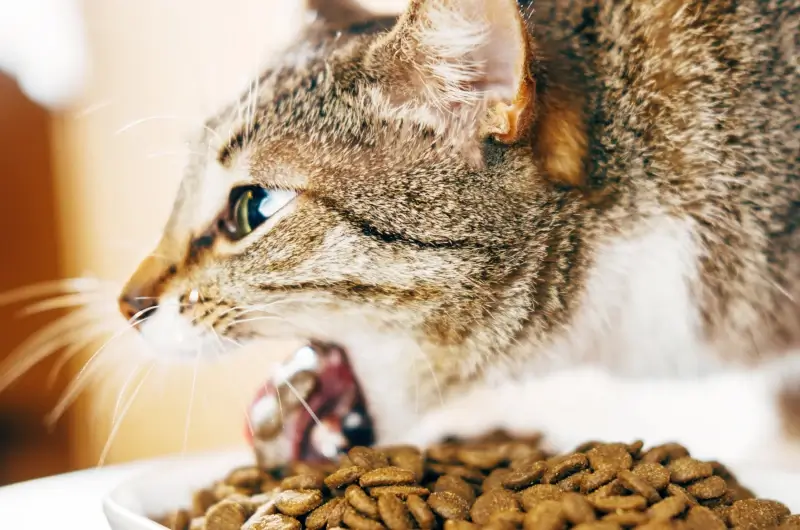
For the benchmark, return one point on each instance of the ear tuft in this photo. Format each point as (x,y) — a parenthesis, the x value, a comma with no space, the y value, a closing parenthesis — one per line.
(463,57)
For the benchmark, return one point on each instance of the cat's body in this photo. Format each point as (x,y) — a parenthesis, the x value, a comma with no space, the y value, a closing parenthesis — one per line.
(609,187)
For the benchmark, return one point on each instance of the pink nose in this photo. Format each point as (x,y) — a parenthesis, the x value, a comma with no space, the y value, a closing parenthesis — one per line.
(133,307)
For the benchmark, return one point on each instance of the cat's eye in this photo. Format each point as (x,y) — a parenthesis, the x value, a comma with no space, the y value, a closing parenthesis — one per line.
(251,206)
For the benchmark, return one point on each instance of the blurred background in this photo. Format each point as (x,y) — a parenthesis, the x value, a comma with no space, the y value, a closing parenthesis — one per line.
(96,100)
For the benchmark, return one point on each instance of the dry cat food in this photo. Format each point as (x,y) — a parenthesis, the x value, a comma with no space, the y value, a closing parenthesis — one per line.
(496,482)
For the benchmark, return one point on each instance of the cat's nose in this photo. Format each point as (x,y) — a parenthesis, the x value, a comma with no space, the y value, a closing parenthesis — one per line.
(139,297)
(134,308)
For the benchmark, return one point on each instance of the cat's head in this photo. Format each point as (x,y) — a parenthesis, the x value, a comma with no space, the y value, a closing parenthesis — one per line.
(376,175)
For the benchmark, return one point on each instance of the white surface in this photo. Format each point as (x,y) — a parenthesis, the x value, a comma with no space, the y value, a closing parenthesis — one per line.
(62,501)
(128,493)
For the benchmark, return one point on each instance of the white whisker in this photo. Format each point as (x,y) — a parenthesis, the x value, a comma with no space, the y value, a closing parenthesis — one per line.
(79,382)
(191,400)
(62,302)
(432,371)
(50,288)
(302,402)
(121,393)
(41,345)
(115,428)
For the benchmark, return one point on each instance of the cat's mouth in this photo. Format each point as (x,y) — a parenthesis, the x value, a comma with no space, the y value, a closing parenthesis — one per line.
(311,409)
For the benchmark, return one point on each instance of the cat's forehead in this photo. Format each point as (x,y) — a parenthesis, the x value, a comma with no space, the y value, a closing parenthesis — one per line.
(299,97)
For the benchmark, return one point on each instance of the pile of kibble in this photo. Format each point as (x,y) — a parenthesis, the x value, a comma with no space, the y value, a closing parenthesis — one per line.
(496,482)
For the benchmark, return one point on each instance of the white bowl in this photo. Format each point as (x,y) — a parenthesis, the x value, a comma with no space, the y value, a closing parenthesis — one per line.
(168,485)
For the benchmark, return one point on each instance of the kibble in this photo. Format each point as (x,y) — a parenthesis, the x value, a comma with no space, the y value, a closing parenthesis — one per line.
(362,502)
(493,483)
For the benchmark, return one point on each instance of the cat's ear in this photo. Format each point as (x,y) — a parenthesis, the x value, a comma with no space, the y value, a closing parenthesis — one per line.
(463,56)
(338,14)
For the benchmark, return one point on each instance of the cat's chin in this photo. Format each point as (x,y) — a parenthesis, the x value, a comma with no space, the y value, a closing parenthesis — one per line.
(311,409)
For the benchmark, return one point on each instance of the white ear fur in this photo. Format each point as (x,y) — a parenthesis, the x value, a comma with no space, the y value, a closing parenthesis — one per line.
(468,50)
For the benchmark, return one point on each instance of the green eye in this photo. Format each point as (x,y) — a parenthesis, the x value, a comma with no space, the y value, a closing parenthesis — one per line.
(251,206)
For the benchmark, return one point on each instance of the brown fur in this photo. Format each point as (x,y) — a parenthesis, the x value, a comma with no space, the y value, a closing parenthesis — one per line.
(411,218)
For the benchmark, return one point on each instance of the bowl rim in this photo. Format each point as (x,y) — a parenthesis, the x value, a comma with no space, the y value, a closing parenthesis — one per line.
(120,503)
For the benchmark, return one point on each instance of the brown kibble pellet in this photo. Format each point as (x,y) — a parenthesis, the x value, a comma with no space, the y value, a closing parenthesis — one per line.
(663,454)
(344,476)
(686,469)
(539,493)
(336,516)
(202,500)
(468,474)
(564,467)
(421,512)
(400,491)
(654,474)
(577,509)
(443,453)
(457,485)
(411,461)
(222,491)
(514,518)
(358,522)
(177,521)
(496,478)
(547,515)
(487,457)
(573,482)
(448,505)
(367,457)
(612,489)
(362,502)
(496,500)
(709,488)
(617,502)
(393,513)
(626,518)
(303,482)
(226,515)
(386,476)
(757,513)
(524,477)
(275,522)
(599,525)
(525,461)
(668,508)
(673,490)
(298,502)
(613,456)
(493,483)
(248,477)
(319,517)
(636,484)
(592,481)
(701,518)
(451,524)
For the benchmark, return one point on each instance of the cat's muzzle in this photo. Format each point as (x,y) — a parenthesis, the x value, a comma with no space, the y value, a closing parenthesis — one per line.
(311,409)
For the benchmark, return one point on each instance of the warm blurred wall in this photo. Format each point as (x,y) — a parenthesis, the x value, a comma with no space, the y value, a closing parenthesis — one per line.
(158,67)
(29,255)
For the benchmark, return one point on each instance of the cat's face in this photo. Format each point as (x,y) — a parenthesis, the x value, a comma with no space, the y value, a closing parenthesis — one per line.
(354,189)
(349,183)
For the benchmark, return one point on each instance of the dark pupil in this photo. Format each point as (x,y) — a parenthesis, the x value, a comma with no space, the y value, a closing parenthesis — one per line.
(246,216)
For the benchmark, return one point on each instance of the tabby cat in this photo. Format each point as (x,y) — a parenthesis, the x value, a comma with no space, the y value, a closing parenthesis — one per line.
(580,217)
